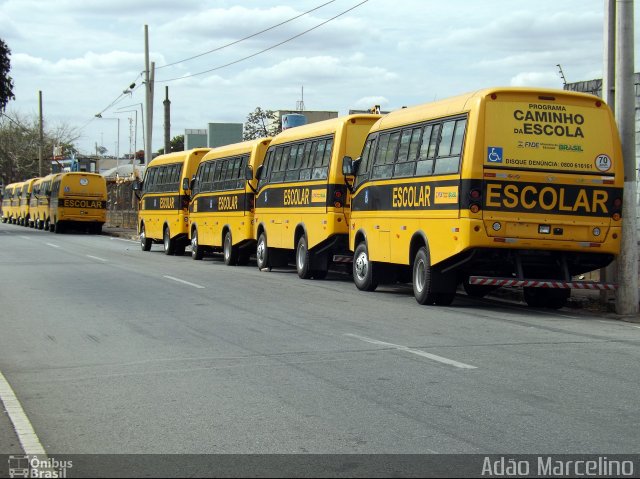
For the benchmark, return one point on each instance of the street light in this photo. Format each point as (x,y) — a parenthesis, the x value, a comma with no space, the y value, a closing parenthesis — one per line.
(99,115)
(135,132)
(141,117)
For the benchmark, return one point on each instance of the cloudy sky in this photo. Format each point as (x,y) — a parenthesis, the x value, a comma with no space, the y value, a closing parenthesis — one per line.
(82,54)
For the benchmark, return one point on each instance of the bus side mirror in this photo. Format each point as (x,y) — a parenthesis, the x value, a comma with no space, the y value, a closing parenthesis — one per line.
(259,172)
(248,173)
(186,185)
(136,185)
(347,166)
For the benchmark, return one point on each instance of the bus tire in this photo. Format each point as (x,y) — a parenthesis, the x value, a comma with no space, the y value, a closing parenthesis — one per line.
(197,253)
(58,228)
(422,285)
(364,274)
(303,258)
(168,243)
(145,243)
(230,253)
(262,252)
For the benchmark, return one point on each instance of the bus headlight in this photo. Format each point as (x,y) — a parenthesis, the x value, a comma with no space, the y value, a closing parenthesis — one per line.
(544,229)
(596,231)
(496,226)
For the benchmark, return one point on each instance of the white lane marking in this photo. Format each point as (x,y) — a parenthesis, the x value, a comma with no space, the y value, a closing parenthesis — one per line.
(183,282)
(96,257)
(24,237)
(637,327)
(418,352)
(52,245)
(27,436)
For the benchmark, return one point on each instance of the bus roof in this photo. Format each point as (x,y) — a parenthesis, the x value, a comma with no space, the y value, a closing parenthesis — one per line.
(463,103)
(319,128)
(235,148)
(176,156)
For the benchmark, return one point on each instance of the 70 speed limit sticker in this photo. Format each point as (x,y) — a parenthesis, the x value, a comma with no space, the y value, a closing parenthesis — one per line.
(603,163)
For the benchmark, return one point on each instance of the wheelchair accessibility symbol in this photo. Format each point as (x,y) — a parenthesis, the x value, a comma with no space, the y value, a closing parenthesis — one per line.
(494,154)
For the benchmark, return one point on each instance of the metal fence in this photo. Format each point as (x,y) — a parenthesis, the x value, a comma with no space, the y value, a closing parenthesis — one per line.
(122,204)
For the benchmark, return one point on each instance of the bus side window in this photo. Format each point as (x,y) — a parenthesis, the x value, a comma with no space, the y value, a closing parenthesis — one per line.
(323,151)
(279,163)
(307,160)
(386,150)
(365,162)
(427,151)
(265,172)
(406,163)
(448,161)
(295,160)
(240,181)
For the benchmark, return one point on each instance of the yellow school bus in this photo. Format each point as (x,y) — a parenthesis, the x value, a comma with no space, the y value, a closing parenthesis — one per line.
(504,186)
(7,196)
(301,203)
(78,200)
(163,215)
(40,202)
(24,214)
(14,204)
(222,202)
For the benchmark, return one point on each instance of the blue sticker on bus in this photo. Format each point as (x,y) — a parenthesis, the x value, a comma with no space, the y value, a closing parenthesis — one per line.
(494,154)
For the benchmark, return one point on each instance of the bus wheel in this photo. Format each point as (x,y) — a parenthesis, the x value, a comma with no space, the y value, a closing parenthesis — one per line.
(145,243)
(364,275)
(262,252)
(422,287)
(303,258)
(229,251)
(197,252)
(58,228)
(169,244)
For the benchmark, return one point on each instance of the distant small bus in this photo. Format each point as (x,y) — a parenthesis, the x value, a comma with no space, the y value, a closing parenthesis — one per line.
(7,208)
(78,200)
(302,202)
(24,214)
(222,202)
(163,216)
(504,186)
(40,202)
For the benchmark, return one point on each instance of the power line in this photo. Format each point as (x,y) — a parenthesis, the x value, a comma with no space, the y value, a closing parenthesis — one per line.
(265,50)
(245,38)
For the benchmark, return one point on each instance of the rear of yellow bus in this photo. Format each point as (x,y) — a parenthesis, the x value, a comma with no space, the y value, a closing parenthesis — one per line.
(550,198)
(7,194)
(82,202)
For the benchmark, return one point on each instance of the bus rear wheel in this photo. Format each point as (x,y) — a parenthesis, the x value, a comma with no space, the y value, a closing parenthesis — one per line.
(422,285)
(196,250)
(145,243)
(303,258)
(229,251)
(262,252)
(168,243)
(364,274)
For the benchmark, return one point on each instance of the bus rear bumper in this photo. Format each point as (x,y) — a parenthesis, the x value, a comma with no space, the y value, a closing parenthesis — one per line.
(541,283)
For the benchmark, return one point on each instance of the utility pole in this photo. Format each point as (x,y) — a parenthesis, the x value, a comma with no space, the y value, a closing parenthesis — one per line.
(627,294)
(609,273)
(149,74)
(40,137)
(167,121)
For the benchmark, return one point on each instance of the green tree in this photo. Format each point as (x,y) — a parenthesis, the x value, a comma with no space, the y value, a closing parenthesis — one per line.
(6,82)
(261,123)
(176,143)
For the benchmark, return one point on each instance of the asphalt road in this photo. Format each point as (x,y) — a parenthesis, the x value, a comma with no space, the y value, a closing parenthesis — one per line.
(113,350)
